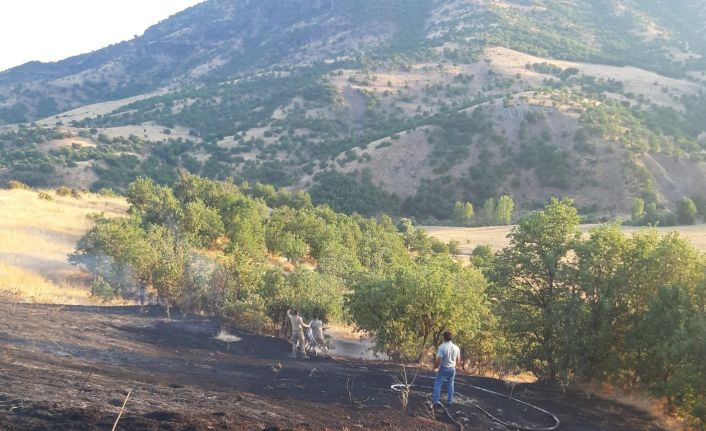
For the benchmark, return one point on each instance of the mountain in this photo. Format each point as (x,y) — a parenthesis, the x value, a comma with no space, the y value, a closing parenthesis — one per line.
(403,106)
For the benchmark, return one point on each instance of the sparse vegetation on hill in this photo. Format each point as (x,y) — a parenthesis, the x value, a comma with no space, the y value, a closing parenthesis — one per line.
(424,82)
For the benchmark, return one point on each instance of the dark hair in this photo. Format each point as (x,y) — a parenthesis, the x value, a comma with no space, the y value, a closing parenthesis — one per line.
(448,336)
(295,312)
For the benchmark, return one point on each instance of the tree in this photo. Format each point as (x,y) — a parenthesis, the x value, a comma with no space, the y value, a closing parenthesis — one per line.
(408,310)
(202,223)
(600,304)
(503,210)
(469,211)
(463,213)
(154,203)
(687,212)
(406,229)
(459,214)
(669,339)
(293,247)
(532,278)
(244,222)
(638,210)
(488,211)
(169,273)
(116,251)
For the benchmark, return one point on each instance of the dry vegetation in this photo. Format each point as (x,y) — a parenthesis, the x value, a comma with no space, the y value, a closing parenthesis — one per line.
(496,236)
(36,235)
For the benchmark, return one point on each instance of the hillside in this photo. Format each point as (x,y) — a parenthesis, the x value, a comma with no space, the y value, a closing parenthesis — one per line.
(422,102)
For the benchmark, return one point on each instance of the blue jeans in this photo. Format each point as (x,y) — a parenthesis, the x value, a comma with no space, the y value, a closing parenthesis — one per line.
(444,375)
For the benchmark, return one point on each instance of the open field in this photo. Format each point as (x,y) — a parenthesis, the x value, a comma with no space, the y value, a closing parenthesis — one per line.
(36,235)
(496,236)
(180,377)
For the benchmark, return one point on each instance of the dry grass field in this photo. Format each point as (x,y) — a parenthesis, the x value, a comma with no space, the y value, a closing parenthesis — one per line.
(36,235)
(496,237)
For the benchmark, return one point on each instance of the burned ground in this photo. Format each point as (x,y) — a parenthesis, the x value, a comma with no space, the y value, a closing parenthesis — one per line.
(70,368)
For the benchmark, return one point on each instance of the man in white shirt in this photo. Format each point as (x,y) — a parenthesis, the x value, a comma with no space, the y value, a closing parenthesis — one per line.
(298,327)
(447,359)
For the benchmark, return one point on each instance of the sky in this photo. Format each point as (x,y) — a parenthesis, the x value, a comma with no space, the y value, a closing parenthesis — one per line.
(51,30)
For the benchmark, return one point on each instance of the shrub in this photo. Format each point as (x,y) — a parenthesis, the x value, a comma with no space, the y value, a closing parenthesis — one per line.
(17,185)
(45,196)
(107,192)
(454,247)
(687,212)
(63,191)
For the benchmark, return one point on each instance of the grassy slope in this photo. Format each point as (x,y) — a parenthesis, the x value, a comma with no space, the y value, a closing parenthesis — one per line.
(35,238)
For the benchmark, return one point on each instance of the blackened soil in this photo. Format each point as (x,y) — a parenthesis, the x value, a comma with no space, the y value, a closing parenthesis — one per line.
(71,368)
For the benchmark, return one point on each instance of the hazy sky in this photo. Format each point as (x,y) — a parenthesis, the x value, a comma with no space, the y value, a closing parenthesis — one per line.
(50,30)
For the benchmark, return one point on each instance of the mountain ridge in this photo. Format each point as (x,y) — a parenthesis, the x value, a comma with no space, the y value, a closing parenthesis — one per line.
(580,99)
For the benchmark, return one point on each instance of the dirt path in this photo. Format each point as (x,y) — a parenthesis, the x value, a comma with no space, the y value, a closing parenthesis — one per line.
(71,368)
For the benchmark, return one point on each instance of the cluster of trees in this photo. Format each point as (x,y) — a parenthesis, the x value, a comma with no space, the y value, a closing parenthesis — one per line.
(657,129)
(602,307)
(347,194)
(606,307)
(650,214)
(495,212)
(204,246)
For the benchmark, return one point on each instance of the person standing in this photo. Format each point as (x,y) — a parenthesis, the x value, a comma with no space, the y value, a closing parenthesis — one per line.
(298,327)
(447,359)
(317,331)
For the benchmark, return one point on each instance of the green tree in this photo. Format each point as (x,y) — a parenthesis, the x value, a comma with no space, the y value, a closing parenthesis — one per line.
(459,214)
(533,278)
(600,308)
(203,224)
(117,251)
(153,203)
(244,222)
(638,210)
(468,211)
(463,213)
(488,211)
(406,229)
(503,210)
(687,212)
(408,310)
(169,273)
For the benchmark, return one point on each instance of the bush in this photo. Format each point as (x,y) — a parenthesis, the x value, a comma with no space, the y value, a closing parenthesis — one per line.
(63,191)
(17,185)
(107,192)
(45,196)
(454,247)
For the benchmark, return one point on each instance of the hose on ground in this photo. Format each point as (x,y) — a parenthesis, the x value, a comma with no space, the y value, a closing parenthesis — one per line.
(397,388)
